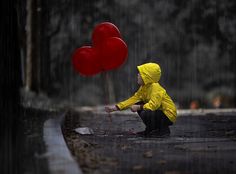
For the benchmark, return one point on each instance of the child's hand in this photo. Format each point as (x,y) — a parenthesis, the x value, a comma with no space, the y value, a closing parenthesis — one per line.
(135,108)
(111,109)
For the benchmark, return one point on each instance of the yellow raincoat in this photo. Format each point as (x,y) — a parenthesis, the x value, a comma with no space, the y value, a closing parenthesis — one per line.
(151,93)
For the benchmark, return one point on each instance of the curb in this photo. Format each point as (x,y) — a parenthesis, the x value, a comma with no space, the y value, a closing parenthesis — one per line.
(180,112)
(60,160)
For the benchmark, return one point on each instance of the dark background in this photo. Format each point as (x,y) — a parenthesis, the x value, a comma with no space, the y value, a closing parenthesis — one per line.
(193,41)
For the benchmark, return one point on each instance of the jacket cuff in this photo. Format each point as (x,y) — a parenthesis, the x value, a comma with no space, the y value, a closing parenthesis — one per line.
(117,107)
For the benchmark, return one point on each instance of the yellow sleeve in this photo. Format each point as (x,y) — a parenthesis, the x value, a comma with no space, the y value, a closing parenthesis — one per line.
(155,101)
(130,101)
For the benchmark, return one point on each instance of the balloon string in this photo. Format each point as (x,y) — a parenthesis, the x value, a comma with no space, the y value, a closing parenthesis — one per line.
(107,98)
(107,95)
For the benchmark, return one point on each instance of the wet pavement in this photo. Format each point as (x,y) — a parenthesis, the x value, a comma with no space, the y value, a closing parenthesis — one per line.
(200,142)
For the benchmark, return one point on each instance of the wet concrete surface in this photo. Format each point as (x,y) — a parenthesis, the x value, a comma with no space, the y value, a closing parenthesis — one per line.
(58,155)
(204,143)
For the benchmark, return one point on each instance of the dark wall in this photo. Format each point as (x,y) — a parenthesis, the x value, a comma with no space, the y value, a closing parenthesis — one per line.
(10,82)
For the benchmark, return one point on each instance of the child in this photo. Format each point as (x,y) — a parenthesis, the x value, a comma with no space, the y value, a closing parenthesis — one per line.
(151,102)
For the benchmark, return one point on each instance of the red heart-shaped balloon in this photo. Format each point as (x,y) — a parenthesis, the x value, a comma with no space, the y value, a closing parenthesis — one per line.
(113,53)
(86,61)
(109,51)
(104,31)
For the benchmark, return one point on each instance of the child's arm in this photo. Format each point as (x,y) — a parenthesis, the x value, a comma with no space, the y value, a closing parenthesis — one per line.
(155,100)
(130,101)
(124,104)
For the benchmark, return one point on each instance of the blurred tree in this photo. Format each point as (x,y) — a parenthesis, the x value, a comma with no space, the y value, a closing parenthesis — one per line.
(47,33)
(32,45)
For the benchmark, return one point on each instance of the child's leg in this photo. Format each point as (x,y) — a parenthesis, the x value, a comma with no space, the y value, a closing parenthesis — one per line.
(150,119)
(157,123)
(162,124)
(162,119)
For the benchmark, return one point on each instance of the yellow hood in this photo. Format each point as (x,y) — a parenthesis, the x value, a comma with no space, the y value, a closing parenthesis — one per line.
(150,72)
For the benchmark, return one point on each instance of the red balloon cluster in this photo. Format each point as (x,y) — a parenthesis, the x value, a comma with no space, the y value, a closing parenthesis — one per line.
(108,52)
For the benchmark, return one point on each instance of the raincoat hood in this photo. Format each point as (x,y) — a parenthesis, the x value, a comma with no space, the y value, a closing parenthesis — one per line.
(150,72)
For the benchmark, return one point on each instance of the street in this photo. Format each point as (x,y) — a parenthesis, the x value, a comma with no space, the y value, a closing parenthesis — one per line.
(199,143)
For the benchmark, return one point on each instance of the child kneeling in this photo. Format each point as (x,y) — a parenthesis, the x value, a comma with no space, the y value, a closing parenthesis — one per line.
(151,102)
